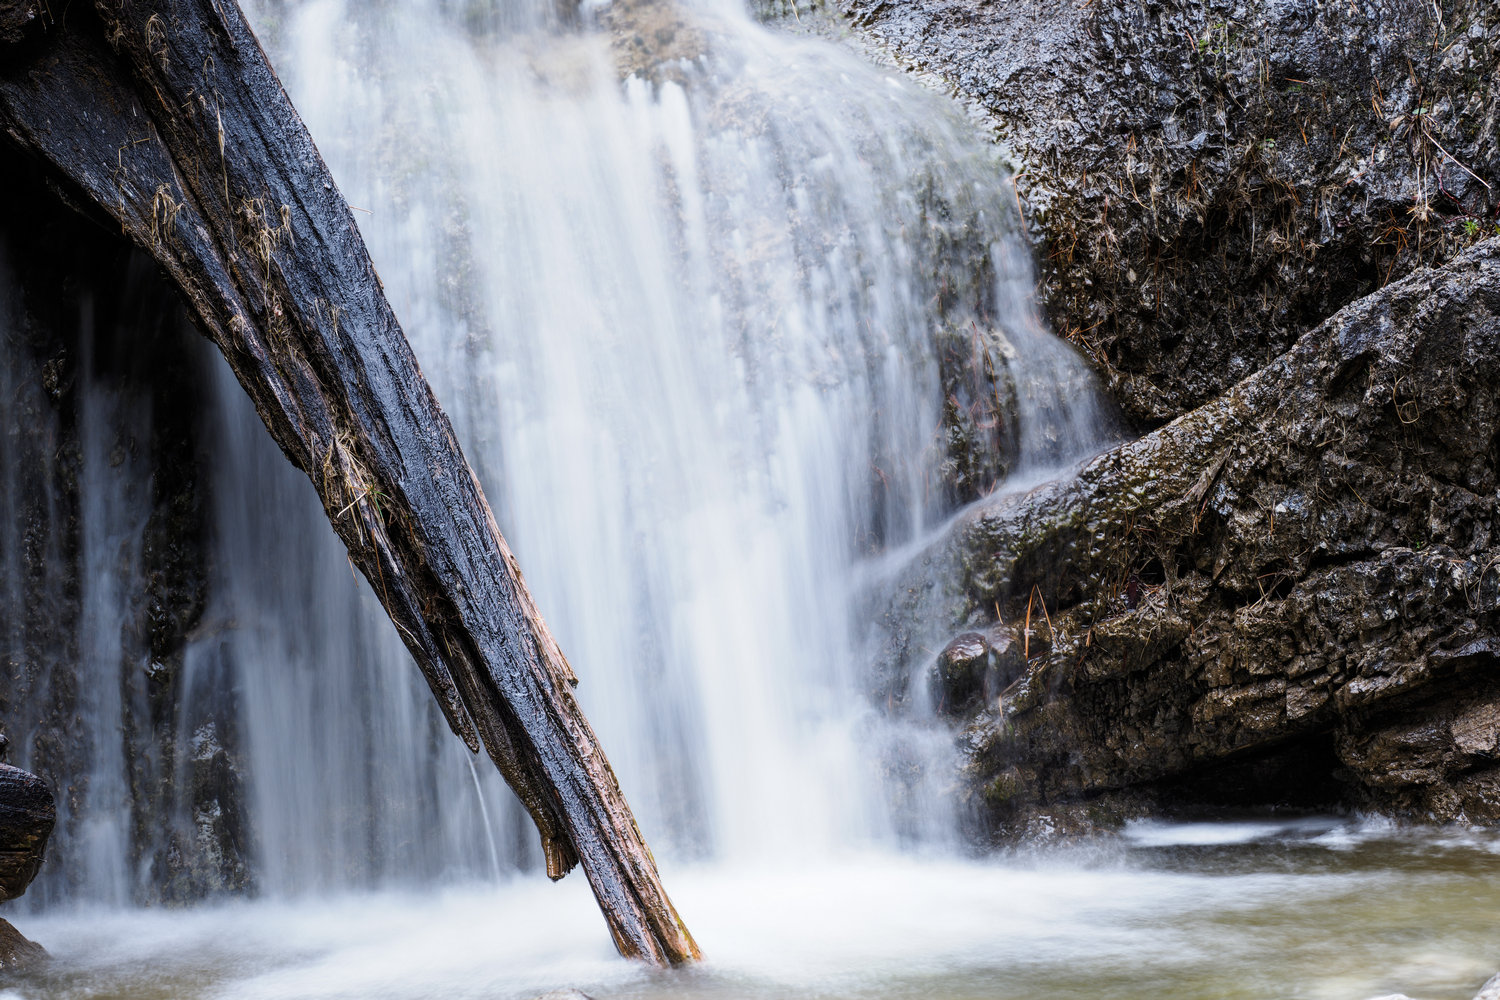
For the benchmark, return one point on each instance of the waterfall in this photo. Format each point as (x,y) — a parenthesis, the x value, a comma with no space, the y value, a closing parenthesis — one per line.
(686,326)
(683,281)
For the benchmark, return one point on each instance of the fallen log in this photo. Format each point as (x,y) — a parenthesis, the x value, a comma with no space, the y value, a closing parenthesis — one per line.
(166,116)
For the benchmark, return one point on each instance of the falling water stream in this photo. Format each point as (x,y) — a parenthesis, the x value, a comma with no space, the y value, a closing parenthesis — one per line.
(687,327)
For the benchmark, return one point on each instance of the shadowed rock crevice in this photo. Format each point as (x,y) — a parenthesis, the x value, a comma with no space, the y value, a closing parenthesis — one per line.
(98,349)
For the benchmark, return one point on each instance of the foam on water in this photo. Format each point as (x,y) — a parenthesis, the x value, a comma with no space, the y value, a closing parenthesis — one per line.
(1288,919)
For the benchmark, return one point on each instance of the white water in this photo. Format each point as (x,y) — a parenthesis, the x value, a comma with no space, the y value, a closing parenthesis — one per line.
(1325,911)
(685,330)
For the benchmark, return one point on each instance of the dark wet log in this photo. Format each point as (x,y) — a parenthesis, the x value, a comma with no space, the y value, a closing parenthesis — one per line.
(166,115)
(27,814)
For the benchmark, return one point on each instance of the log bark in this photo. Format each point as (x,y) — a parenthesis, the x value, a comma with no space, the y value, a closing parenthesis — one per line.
(166,116)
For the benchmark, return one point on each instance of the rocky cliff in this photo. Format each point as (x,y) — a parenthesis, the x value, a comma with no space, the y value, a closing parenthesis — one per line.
(1208,179)
(1271,227)
(103,559)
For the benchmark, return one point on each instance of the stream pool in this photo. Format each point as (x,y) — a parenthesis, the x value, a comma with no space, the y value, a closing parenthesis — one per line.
(1254,908)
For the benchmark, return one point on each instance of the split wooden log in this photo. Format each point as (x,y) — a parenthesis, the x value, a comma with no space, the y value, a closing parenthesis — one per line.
(167,116)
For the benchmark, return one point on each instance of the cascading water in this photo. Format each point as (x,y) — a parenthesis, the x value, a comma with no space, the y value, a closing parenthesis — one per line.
(685,325)
(691,289)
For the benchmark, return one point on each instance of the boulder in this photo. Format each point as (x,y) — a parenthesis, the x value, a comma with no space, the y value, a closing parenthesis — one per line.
(961,671)
(16,952)
(27,814)
(1208,179)
(975,668)
(1289,595)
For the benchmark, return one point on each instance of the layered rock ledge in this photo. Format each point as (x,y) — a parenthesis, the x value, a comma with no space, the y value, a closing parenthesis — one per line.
(1290,594)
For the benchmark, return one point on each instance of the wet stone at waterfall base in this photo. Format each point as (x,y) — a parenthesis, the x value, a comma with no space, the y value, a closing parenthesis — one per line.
(27,815)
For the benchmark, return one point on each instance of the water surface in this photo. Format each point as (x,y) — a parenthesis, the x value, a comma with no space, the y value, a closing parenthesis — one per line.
(1323,909)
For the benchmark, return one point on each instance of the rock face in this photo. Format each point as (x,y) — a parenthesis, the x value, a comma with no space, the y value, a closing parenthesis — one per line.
(16,952)
(103,551)
(1208,179)
(1291,594)
(27,814)
(1288,591)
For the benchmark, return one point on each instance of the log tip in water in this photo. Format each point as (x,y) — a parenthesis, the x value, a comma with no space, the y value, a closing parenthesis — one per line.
(343,397)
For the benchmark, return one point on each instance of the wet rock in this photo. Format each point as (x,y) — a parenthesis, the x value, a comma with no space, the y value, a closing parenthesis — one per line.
(960,673)
(1208,179)
(1316,573)
(27,814)
(134,352)
(974,668)
(16,952)
(652,38)
(16,18)
(1490,990)
(1007,659)
(4,748)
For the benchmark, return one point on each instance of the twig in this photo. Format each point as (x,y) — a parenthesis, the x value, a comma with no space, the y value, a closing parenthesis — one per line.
(1455,159)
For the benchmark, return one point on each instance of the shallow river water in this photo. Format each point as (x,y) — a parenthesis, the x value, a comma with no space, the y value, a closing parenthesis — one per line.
(1314,908)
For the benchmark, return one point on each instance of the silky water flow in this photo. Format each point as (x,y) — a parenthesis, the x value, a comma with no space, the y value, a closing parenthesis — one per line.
(690,287)
(685,325)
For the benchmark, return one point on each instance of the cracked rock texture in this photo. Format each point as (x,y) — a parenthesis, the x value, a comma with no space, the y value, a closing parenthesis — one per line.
(1289,595)
(1208,179)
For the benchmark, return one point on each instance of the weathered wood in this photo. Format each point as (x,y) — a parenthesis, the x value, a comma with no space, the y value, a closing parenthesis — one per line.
(167,115)
(27,814)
